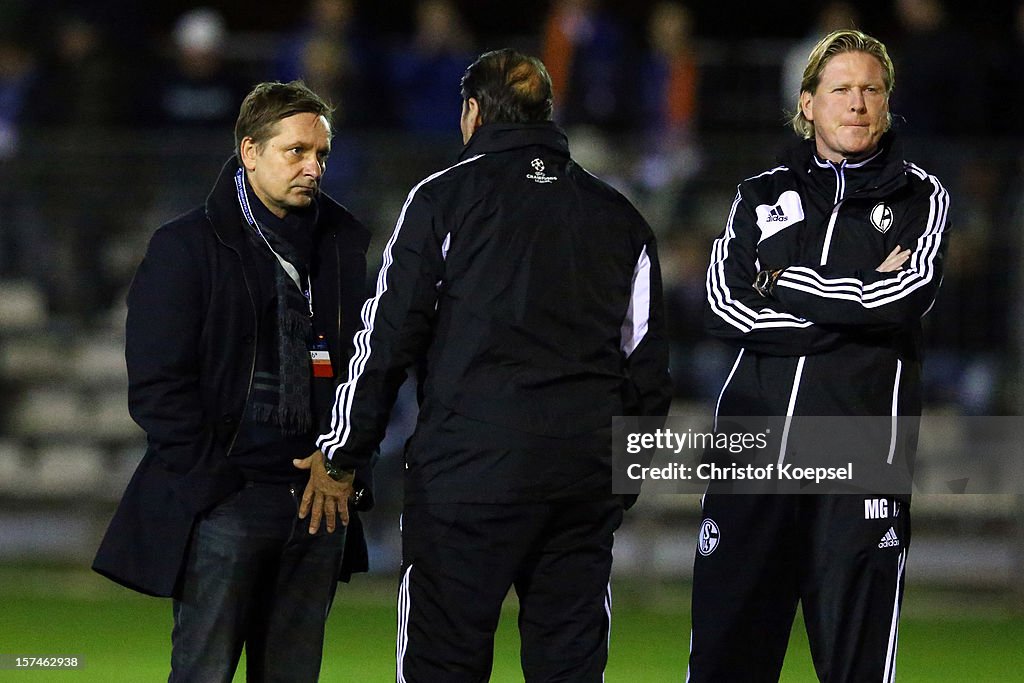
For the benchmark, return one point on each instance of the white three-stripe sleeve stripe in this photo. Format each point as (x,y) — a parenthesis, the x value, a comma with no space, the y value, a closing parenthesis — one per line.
(718,404)
(791,408)
(402,640)
(895,411)
(342,410)
(891,289)
(731,310)
(638,314)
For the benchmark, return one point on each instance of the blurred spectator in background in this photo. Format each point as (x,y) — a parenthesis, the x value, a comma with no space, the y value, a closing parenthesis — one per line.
(196,90)
(930,54)
(79,104)
(1005,78)
(18,253)
(584,49)
(698,362)
(79,81)
(194,96)
(17,69)
(329,53)
(933,54)
(425,71)
(968,329)
(669,72)
(831,17)
(668,102)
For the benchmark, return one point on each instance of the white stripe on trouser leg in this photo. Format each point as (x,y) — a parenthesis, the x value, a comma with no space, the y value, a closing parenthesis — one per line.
(402,640)
(889,674)
(688,658)
(608,611)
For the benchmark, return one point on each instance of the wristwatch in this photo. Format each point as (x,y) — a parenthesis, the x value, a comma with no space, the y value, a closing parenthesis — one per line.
(336,473)
(764,283)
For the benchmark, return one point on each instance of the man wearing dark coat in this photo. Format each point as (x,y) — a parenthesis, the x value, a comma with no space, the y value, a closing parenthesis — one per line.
(239,318)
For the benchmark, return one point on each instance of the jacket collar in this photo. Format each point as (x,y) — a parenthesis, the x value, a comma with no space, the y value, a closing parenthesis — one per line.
(502,137)
(225,215)
(879,173)
(222,205)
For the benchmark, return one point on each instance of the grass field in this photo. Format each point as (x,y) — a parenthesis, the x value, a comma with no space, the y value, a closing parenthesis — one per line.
(124,637)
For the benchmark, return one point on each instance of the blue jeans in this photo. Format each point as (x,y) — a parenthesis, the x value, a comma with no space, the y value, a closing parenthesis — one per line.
(255,577)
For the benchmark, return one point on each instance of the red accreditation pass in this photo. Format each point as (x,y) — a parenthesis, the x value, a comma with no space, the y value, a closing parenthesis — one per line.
(321,363)
(320,356)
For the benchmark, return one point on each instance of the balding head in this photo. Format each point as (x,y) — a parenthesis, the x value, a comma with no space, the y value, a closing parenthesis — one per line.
(509,87)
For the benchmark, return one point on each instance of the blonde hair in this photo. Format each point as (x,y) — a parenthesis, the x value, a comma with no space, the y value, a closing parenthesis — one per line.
(835,43)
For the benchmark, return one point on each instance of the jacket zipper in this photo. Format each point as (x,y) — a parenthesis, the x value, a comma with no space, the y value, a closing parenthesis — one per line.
(799,370)
(839,198)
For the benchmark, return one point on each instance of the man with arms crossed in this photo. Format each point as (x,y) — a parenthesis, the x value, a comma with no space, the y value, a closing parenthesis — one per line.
(526,294)
(825,267)
(240,317)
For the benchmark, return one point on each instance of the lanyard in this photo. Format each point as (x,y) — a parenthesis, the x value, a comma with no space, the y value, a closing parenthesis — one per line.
(289,269)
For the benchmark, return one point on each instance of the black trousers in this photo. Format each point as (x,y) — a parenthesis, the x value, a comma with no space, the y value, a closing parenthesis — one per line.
(459,562)
(841,556)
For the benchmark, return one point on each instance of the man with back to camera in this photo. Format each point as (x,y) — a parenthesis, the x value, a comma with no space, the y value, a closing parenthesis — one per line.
(527,295)
(821,277)
(240,316)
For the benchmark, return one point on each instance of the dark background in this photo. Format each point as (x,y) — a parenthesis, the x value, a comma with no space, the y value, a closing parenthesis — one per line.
(723,20)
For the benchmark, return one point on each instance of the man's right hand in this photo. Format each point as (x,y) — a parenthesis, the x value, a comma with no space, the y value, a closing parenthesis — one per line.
(324,498)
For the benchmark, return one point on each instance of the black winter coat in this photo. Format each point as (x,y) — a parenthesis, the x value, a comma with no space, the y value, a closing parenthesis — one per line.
(190,347)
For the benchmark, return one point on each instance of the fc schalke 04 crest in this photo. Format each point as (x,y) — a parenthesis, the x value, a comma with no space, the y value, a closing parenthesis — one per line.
(881,217)
(707,539)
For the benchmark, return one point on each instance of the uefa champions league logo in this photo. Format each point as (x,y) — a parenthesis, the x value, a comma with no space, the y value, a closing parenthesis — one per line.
(539,176)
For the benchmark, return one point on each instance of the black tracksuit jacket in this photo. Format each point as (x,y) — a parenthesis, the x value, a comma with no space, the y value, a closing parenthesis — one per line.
(836,337)
(527,295)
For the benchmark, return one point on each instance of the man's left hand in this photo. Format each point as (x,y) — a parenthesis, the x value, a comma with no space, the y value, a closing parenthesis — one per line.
(894,261)
(324,498)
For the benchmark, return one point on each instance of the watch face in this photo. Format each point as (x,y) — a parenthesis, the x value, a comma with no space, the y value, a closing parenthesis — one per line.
(333,471)
(760,281)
